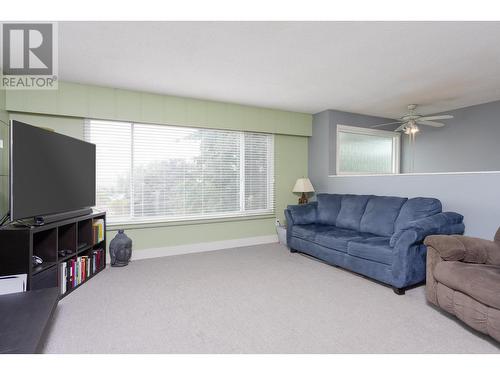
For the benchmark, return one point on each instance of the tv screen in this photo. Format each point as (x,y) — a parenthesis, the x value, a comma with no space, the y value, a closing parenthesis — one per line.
(49,172)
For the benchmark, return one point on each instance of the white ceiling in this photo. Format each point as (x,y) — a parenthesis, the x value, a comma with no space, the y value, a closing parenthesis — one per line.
(374,68)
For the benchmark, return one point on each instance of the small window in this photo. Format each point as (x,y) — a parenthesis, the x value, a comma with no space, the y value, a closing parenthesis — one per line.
(367,151)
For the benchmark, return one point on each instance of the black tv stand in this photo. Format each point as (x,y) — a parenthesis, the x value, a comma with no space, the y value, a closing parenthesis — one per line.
(46,219)
(18,244)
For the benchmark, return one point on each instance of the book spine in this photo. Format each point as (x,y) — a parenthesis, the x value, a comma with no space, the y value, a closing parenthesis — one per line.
(69,276)
(73,266)
(98,230)
(101,230)
(94,234)
(62,277)
(77,271)
(65,279)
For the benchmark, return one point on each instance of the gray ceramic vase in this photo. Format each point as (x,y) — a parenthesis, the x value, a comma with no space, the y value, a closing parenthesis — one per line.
(120,249)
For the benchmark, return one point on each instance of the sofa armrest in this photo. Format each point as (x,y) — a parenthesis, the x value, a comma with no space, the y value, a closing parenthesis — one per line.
(466,249)
(447,247)
(442,223)
(288,217)
(301,214)
(289,224)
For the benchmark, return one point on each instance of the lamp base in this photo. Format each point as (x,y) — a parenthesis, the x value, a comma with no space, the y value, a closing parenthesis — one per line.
(303,199)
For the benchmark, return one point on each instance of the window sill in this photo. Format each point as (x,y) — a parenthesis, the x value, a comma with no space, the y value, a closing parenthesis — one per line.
(172,223)
(413,174)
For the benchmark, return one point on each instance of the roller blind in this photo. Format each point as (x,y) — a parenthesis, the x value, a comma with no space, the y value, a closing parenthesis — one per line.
(156,172)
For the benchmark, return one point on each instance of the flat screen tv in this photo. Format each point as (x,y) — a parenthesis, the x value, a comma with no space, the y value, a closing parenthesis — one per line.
(50,173)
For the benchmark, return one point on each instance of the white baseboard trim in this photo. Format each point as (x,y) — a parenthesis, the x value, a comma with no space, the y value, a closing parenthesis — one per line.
(202,247)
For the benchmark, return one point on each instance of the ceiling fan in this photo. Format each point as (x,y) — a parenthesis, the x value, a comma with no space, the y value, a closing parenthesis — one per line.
(410,121)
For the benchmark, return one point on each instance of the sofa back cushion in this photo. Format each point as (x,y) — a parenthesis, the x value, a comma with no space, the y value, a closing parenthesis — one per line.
(328,208)
(351,210)
(417,208)
(381,214)
(304,213)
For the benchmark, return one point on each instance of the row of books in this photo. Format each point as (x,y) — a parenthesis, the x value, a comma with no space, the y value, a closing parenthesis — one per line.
(97,231)
(75,271)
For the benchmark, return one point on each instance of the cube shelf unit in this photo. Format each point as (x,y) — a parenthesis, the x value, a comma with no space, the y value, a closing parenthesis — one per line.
(19,243)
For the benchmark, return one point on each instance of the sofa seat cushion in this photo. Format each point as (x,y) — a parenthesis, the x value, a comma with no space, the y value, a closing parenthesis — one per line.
(338,238)
(327,235)
(308,231)
(479,281)
(376,249)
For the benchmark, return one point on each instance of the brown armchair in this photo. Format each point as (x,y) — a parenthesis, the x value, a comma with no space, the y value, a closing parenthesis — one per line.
(463,278)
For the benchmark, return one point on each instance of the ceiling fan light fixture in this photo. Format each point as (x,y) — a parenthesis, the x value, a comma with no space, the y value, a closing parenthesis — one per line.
(408,122)
(411,128)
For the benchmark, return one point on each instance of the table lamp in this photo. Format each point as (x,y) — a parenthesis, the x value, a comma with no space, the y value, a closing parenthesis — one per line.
(303,185)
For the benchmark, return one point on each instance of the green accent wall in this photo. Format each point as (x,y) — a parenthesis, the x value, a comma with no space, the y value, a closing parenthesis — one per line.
(4,116)
(71,126)
(62,111)
(86,101)
(4,155)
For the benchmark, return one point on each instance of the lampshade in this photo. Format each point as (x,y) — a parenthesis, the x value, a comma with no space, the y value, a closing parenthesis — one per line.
(303,185)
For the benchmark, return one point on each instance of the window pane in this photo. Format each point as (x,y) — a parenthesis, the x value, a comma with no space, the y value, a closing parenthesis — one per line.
(153,172)
(166,165)
(257,176)
(360,153)
(113,154)
(220,161)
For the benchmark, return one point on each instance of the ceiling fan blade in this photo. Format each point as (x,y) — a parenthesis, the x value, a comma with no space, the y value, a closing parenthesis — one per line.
(431,123)
(389,123)
(441,117)
(401,128)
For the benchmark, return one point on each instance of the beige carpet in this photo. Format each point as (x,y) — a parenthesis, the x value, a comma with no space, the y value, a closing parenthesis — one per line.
(259,299)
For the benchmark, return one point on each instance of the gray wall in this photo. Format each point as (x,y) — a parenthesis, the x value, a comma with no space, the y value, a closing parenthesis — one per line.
(476,196)
(322,155)
(319,151)
(468,142)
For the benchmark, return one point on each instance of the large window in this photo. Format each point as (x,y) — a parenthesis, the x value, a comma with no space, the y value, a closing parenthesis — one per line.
(367,151)
(157,172)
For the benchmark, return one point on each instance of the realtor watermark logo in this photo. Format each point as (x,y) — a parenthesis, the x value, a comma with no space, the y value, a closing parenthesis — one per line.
(29,56)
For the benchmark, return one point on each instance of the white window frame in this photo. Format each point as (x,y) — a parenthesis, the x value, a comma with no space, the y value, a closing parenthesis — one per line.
(271,200)
(396,147)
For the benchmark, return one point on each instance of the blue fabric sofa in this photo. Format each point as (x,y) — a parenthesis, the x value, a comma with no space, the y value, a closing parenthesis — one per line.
(379,237)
